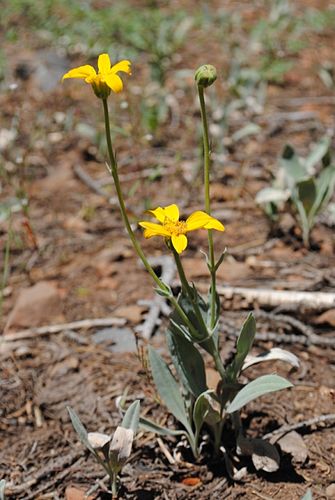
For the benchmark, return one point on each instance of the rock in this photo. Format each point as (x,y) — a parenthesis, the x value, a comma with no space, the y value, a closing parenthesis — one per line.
(330,491)
(132,313)
(293,444)
(35,306)
(326,317)
(120,339)
(76,493)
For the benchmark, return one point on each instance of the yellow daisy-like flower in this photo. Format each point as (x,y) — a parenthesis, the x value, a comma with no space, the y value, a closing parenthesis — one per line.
(174,229)
(106,79)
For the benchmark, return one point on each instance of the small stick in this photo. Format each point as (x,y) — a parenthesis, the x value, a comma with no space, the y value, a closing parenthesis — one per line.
(74,325)
(158,305)
(92,184)
(166,452)
(306,423)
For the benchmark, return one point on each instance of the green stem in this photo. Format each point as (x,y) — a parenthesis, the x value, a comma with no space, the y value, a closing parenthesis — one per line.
(5,264)
(123,210)
(125,218)
(186,286)
(218,364)
(114,485)
(208,205)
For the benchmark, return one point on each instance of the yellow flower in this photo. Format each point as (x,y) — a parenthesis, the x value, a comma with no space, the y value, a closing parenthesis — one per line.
(174,229)
(106,79)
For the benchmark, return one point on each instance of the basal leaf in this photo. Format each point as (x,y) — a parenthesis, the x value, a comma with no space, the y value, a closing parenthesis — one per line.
(307,193)
(2,489)
(273,354)
(149,426)
(168,388)
(292,166)
(256,388)
(79,428)
(325,185)
(187,361)
(131,417)
(318,153)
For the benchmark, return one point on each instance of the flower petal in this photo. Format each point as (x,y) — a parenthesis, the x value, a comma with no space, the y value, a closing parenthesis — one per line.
(84,72)
(159,213)
(114,82)
(172,212)
(215,224)
(179,242)
(104,64)
(152,229)
(124,66)
(200,219)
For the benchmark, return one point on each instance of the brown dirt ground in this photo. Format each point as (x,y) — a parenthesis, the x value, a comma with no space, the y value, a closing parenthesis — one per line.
(73,227)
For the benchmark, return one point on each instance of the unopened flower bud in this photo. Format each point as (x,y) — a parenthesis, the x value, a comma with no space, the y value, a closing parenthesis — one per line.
(205,75)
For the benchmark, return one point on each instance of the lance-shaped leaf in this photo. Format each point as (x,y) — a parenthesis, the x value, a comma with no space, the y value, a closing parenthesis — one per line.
(204,411)
(149,426)
(256,388)
(168,388)
(292,165)
(308,495)
(325,185)
(307,193)
(2,489)
(243,346)
(318,153)
(131,417)
(273,354)
(80,429)
(187,361)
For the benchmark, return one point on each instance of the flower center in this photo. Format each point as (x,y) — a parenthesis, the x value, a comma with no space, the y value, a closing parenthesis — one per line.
(175,228)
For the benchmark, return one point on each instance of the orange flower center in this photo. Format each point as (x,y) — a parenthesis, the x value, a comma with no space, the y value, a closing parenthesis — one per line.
(175,228)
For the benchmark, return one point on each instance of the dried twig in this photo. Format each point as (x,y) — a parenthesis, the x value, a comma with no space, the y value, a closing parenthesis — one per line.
(306,423)
(47,330)
(92,184)
(313,301)
(158,305)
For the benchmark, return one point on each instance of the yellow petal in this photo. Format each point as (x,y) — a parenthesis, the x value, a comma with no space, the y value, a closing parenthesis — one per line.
(122,66)
(152,229)
(172,212)
(114,82)
(179,242)
(215,224)
(84,72)
(200,219)
(159,213)
(104,64)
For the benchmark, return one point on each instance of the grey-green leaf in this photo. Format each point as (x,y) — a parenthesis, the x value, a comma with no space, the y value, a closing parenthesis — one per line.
(308,495)
(149,426)
(272,194)
(273,354)
(2,489)
(292,165)
(203,411)
(243,346)
(168,388)
(79,428)
(318,152)
(307,193)
(188,362)
(131,417)
(256,388)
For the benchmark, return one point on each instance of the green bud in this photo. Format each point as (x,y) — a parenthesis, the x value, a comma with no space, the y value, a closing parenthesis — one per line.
(205,75)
